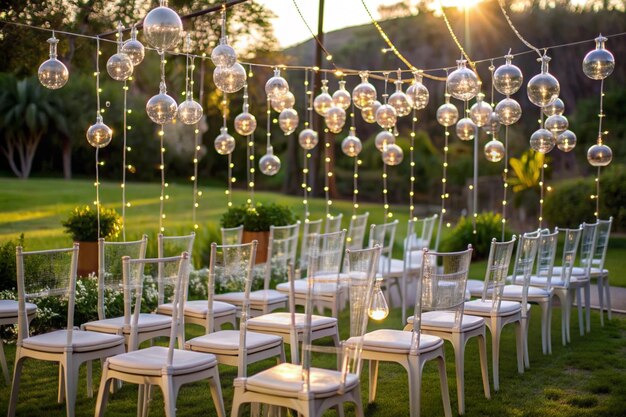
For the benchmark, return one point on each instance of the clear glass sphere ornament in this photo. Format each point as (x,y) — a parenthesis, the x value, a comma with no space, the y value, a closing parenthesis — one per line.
(363,94)
(480,112)
(599,63)
(378,309)
(276,86)
(465,129)
(335,119)
(494,151)
(286,101)
(341,97)
(245,123)
(542,141)
(566,141)
(599,155)
(163,28)
(507,78)
(230,79)
(447,113)
(463,82)
(351,146)
(384,139)
(392,155)
(492,127)
(288,121)
(161,108)
(369,112)
(134,49)
(418,93)
(509,111)
(556,107)
(556,124)
(400,101)
(223,54)
(99,135)
(189,111)
(543,88)
(224,142)
(269,164)
(120,66)
(386,116)
(308,139)
(53,74)
(323,101)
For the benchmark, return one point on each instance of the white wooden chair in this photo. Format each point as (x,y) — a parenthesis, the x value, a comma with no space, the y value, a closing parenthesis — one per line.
(53,273)
(232,235)
(356,231)
(166,367)
(598,272)
(333,223)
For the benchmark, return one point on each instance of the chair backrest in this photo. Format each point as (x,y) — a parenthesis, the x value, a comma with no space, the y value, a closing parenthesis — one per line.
(356,231)
(603,232)
(419,233)
(440,286)
(232,235)
(45,273)
(174,246)
(328,251)
(498,269)
(527,252)
(384,235)
(333,223)
(587,245)
(281,251)
(571,240)
(110,276)
(546,253)
(310,227)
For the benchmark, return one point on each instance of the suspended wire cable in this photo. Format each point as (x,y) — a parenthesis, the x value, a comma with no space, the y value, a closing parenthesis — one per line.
(456,40)
(514,29)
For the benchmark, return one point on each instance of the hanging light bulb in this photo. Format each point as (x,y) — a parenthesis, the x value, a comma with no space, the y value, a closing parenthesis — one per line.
(556,124)
(566,141)
(494,150)
(399,101)
(509,111)
(447,113)
(283,102)
(335,119)
(462,82)
(418,93)
(465,129)
(480,111)
(378,309)
(542,141)
(599,155)
(599,63)
(308,139)
(276,86)
(386,116)
(543,88)
(557,107)
(269,164)
(162,27)
(53,74)
(363,94)
(368,113)
(189,111)
(245,122)
(288,121)
(99,135)
(341,97)
(161,108)
(134,49)
(492,127)
(392,155)
(230,79)
(351,145)
(120,66)
(323,101)
(224,142)
(384,139)
(507,78)
(223,55)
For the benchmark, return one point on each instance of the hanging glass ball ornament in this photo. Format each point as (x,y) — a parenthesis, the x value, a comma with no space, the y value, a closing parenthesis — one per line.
(323,101)
(386,116)
(399,101)
(269,164)
(161,108)
(283,102)
(447,113)
(492,127)
(308,139)
(276,86)
(335,119)
(599,155)
(507,78)
(341,97)
(463,82)
(384,139)
(351,145)
(120,66)
(369,112)
(392,155)
(53,74)
(509,111)
(465,129)
(363,94)
(134,49)
(556,107)
(189,111)
(99,135)
(288,121)
(480,111)
(418,93)
(542,141)
(494,150)
(556,124)
(245,123)
(599,63)
(566,141)
(230,79)
(224,142)
(543,88)
(163,28)
(223,54)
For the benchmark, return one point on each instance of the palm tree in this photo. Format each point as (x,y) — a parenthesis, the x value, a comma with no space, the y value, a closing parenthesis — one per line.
(525,181)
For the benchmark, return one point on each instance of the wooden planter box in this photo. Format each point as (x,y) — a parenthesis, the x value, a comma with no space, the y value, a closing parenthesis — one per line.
(261,250)
(87,258)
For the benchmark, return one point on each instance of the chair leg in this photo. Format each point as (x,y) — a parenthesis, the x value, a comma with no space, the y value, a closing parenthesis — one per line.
(358,404)
(3,363)
(169,396)
(61,389)
(525,324)
(459,363)
(549,328)
(103,394)
(373,370)
(607,287)
(601,298)
(443,379)
(216,393)
(414,371)
(545,311)
(71,385)
(568,316)
(521,343)
(495,352)
(579,306)
(89,379)
(141,395)
(15,386)
(484,369)
(235,410)
(588,306)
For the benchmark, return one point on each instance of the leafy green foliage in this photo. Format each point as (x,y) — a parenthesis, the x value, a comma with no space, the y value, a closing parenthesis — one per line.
(257,218)
(82,224)
(8,273)
(488,226)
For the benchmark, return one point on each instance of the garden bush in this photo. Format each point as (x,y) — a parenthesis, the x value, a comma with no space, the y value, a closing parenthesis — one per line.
(488,226)
(7,264)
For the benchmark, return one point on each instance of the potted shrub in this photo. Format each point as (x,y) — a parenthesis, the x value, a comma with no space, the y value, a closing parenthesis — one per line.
(256,221)
(82,226)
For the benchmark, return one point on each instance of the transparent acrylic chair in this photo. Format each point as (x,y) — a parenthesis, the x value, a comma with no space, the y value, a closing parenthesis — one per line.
(307,389)
(598,272)
(309,228)
(356,231)
(232,235)
(384,235)
(333,223)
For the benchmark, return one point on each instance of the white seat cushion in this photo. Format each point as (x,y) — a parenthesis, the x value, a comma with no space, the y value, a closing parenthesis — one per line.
(300,287)
(543,281)
(259,297)
(8,309)
(396,267)
(226,342)
(445,320)
(475,287)
(153,360)
(580,272)
(282,321)
(82,341)
(286,380)
(483,308)
(515,291)
(199,309)
(397,341)
(146,323)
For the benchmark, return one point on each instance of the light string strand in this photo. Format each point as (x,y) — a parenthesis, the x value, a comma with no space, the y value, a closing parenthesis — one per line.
(196,152)
(544,165)
(471,63)
(125,149)
(97,184)
(597,179)
(355,174)
(231,165)
(163,196)
(305,168)
(444,174)
(412,167)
